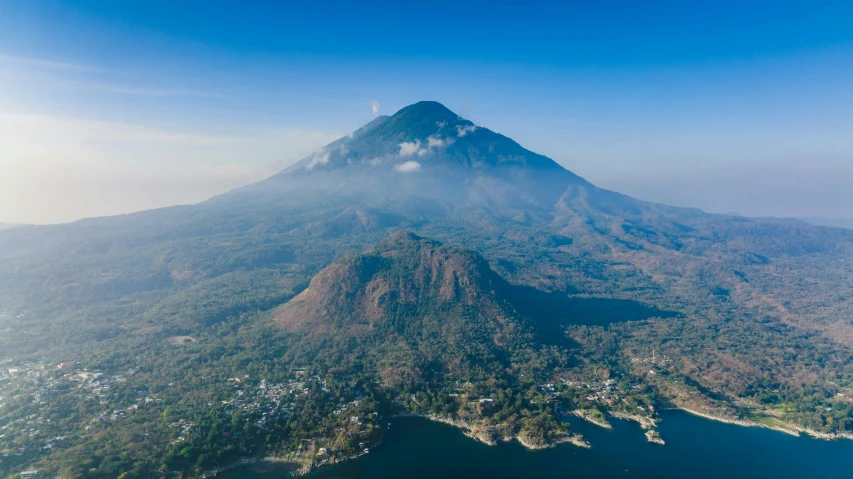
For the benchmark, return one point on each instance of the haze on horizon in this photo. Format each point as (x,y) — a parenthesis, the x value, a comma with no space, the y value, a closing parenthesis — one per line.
(114,107)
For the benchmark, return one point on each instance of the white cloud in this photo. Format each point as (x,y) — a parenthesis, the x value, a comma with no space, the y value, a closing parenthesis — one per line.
(462,130)
(408,167)
(374,107)
(318,158)
(415,148)
(411,148)
(436,142)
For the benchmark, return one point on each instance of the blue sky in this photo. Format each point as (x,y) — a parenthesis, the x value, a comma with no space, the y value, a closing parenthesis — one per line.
(110,107)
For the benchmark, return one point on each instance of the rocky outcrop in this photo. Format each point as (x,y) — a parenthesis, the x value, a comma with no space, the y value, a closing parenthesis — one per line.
(490,434)
(646,422)
(600,422)
(654,437)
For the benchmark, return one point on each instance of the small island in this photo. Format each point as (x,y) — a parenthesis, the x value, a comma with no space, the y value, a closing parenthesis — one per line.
(654,437)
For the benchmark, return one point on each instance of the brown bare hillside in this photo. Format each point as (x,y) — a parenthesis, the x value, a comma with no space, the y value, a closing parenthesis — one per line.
(404,275)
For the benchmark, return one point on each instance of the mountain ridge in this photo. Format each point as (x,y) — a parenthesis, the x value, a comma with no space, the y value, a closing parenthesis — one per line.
(846,223)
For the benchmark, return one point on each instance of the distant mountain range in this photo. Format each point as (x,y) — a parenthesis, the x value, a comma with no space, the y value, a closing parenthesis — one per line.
(6,226)
(426,259)
(832,222)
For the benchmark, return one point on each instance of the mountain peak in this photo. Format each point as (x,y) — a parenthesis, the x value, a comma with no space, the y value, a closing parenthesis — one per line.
(403,237)
(426,150)
(425,136)
(421,121)
(431,110)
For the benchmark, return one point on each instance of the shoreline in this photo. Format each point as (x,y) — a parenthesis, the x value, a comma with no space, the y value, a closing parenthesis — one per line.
(245,461)
(654,437)
(646,422)
(480,434)
(790,429)
(486,436)
(592,419)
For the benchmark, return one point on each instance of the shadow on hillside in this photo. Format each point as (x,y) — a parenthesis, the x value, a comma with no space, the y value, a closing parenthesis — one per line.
(553,312)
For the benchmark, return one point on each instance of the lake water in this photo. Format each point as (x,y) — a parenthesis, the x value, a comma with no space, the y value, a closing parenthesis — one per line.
(696,448)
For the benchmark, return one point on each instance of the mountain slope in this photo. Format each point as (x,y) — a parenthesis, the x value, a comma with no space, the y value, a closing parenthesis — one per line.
(417,311)
(831,222)
(423,151)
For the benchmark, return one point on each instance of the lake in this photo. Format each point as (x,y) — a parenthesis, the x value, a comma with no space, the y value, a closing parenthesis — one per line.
(696,448)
